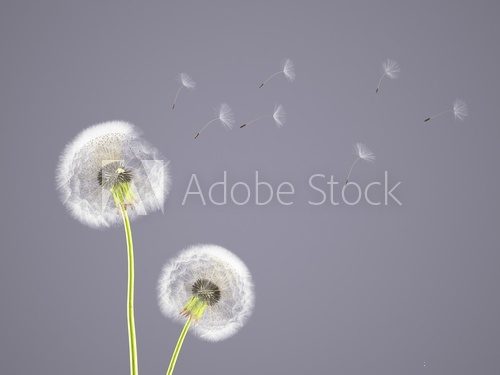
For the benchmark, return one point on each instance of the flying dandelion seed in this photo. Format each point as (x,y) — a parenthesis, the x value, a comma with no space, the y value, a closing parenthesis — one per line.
(362,153)
(224,115)
(390,69)
(186,82)
(459,110)
(287,70)
(279,117)
(210,290)
(105,171)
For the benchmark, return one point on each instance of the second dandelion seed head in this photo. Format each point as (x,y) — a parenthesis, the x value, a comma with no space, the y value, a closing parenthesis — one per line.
(210,285)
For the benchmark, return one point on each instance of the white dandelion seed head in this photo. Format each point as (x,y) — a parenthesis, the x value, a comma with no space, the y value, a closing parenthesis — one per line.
(98,152)
(279,115)
(226,116)
(289,70)
(364,152)
(460,109)
(187,81)
(391,69)
(220,267)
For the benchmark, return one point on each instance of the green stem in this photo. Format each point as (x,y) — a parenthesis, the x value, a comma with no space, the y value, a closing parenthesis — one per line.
(178,347)
(130,292)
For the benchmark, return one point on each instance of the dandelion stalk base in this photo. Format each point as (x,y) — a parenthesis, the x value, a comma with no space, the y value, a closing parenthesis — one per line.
(122,194)
(193,309)
(178,346)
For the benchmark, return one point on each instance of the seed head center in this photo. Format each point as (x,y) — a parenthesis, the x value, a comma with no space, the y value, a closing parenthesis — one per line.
(112,174)
(206,291)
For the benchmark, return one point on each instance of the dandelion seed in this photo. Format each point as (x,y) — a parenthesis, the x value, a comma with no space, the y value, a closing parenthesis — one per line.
(287,70)
(224,115)
(390,70)
(279,117)
(459,109)
(103,172)
(362,153)
(210,290)
(187,82)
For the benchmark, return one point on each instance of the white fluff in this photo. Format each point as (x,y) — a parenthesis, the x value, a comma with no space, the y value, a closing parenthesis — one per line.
(226,116)
(460,109)
(279,115)
(391,68)
(223,268)
(187,81)
(82,160)
(364,152)
(289,70)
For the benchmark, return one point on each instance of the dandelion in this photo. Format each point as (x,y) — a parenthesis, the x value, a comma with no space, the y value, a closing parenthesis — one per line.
(362,153)
(287,70)
(225,116)
(210,290)
(187,82)
(107,174)
(459,110)
(279,117)
(390,70)
(108,161)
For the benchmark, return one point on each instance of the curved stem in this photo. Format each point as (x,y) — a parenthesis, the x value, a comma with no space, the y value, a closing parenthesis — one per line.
(205,126)
(176,95)
(270,77)
(380,82)
(350,170)
(252,121)
(178,347)
(441,113)
(130,292)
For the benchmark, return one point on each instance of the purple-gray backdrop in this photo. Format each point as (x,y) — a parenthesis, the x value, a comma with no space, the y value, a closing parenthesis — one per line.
(340,290)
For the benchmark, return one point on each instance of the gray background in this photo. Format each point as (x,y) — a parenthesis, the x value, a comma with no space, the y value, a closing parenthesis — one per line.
(340,290)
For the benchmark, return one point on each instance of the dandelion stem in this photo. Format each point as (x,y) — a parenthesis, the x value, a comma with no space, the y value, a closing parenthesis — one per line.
(130,292)
(270,77)
(350,170)
(252,121)
(175,99)
(439,114)
(379,83)
(178,347)
(204,126)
